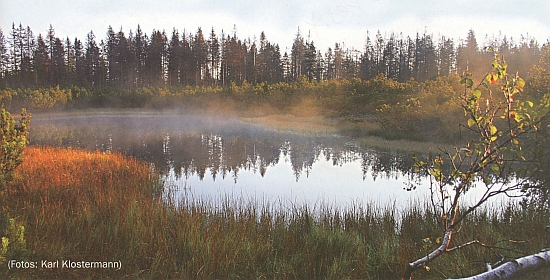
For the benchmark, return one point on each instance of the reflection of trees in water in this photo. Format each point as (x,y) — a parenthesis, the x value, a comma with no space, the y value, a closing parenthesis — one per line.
(385,165)
(190,153)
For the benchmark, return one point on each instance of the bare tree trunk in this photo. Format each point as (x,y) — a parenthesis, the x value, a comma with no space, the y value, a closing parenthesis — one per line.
(434,254)
(515,268)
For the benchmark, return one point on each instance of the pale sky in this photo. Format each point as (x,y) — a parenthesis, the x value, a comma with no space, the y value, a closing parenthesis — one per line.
(327,22)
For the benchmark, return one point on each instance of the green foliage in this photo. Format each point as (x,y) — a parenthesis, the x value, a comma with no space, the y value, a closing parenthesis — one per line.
(14,245)
(13,142)
(45,98)
(427,110)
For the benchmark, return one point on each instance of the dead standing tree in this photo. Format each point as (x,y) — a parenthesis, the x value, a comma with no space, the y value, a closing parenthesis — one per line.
(500,160)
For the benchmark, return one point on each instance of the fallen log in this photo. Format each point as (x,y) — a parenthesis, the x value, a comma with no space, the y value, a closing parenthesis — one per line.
(515,267)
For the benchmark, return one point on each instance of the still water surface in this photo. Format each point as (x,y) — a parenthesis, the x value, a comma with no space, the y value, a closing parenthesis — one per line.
(213,158)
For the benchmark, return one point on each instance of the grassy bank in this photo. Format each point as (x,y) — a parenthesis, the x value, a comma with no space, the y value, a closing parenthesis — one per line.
(88,206)
(366,133)
(309,124)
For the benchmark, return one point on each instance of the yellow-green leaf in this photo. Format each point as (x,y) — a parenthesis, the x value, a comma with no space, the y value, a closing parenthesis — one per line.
(493,129)
(521,82)
(517,117)
(477,93)
(495,168)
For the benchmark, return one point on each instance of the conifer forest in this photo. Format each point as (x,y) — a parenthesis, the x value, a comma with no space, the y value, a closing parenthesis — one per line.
(206,58)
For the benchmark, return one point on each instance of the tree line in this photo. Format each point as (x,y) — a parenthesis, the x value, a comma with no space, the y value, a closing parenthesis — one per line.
(209,59)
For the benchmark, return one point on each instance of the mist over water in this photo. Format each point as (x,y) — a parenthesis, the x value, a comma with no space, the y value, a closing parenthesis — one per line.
(215,158)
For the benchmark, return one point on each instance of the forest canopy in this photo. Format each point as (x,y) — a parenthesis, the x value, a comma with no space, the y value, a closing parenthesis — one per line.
(207,58)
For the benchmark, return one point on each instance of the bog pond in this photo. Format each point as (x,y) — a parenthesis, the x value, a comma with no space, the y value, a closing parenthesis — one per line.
(219,158)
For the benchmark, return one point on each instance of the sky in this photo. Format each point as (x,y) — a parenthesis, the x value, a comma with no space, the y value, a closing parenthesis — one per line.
(325,22)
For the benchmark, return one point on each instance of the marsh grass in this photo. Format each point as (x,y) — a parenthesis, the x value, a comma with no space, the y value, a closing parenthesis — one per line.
(91,206)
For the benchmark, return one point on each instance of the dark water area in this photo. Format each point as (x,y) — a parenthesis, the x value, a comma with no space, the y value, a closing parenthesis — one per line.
(215,158)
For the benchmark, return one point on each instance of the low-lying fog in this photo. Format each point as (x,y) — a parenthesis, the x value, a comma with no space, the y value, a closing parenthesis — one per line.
(207,157)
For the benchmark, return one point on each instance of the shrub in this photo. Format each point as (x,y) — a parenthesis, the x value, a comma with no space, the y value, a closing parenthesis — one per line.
(13,244)
(14,139)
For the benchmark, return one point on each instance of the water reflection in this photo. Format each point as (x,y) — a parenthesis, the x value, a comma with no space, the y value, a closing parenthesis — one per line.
(214,155)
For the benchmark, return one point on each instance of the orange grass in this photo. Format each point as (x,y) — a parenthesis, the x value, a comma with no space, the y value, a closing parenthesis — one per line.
(61,168)
(87,206)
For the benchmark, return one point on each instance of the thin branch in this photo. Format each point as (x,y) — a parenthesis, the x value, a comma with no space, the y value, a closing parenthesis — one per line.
(475,241)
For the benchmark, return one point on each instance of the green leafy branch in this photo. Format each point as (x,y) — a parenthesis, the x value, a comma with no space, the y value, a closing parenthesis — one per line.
(13,244)
(503,149)
(13,140)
